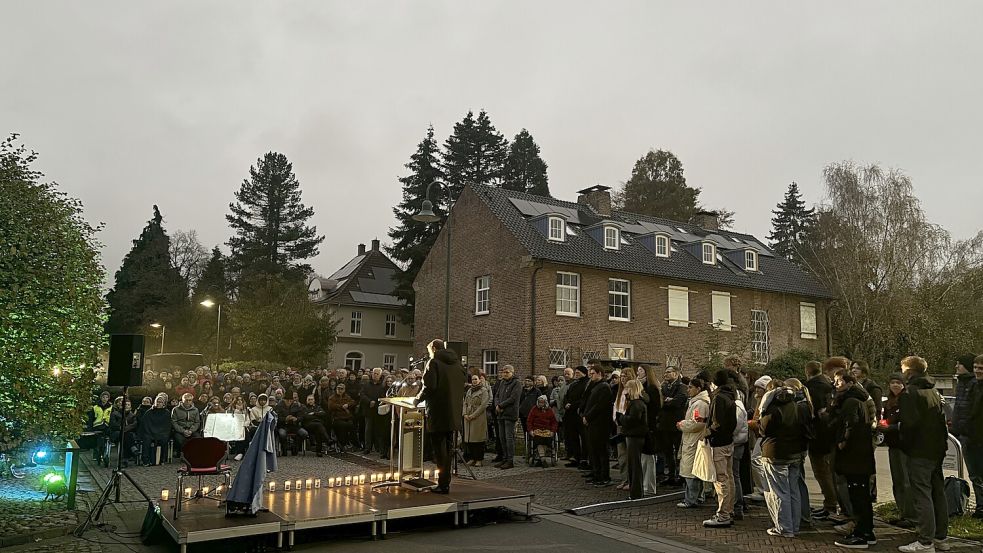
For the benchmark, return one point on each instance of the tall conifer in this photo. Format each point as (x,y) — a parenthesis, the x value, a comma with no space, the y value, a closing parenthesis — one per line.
(525,171)
(791,224)
(474,153)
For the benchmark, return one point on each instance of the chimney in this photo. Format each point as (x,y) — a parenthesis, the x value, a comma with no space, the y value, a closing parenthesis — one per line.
(375,245)
(708,220)
(361,249)
(598,198)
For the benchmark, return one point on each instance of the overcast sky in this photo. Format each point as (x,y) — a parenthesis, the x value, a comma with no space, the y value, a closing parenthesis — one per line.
(135,103)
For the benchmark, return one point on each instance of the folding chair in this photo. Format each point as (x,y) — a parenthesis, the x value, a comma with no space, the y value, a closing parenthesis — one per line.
(202,457)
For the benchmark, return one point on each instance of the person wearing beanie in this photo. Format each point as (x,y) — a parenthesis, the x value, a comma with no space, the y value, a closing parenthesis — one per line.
(967,388)
(573,433)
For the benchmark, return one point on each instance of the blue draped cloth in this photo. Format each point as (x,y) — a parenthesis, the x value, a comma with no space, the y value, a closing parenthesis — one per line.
(246,492)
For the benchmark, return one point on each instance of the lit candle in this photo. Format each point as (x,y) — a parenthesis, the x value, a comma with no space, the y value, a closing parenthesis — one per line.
(308,483)
(436,473)
(330,482)
(218,490)
(426,475)
(348,480)
(187,493)
(396,475)
(297,485)
(205,490)
(165,495)
(286,485)
(389,476)
(272,486)
(361,479)
(317,483)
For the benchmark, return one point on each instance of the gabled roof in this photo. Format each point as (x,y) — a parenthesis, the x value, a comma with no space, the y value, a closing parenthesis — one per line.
(368,279)
(516,210)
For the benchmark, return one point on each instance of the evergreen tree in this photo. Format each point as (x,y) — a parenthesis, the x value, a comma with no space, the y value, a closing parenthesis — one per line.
(474,153)
(658,187)
(149,288)
(270,220)
(212,285)
(791,224)
(525,171)
(412,240)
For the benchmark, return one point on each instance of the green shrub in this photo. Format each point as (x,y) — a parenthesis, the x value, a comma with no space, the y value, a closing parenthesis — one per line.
(790,364)
(241,366)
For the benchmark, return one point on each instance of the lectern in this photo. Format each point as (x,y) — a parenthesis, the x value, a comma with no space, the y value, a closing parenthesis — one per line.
(408,419)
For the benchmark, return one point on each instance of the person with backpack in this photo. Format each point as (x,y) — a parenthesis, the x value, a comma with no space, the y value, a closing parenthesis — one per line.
(924,438)
(721,423)
(782,446)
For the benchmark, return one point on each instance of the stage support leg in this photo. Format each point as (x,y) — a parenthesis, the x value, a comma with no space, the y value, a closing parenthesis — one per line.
(375,530)
(279,541)
(290,540)
(383,536)
(465,517)
(184,548)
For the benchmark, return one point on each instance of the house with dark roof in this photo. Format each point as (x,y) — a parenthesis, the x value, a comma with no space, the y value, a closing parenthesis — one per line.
(543,284)
(361,297)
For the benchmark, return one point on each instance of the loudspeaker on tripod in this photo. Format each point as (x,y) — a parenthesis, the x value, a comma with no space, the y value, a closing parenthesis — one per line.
(125,360)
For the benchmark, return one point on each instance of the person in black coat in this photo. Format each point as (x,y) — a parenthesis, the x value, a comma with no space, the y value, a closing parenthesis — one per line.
(634,426)
(820,458)
(597,419)
(674,404)
(155,429)
(573,425)
(443,390)
(530,392)
(854,459)
(376,427)
(313,419)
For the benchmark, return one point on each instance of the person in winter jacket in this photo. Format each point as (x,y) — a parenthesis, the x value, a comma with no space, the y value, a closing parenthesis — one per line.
(861,371)
(889,428)
(313,419)
(507,395)
(155,430)
(476,401)
(692,428)
(99,418)
(185,421)
(651,388)
(573,427)
(740,436)
(721,424)
(123,421)
(674,405)
(634,426)
(803,403)
(851,428)
(542,425)
(820,389)
(597,419)
(530,393)
(782,446)
(924,439)
(967,388)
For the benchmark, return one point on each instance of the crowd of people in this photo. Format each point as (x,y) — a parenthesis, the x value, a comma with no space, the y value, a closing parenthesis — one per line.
(734,435)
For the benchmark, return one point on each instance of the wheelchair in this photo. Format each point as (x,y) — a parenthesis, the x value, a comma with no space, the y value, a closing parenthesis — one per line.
(533,457)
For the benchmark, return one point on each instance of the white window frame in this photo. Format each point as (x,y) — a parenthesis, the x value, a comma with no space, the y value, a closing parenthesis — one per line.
(356,324)
(678,292)
(612,241)
(804,309)
(760,351)
(558,358)
(719,302)
(482,295)
(709,251)
(662,242)
(589,356)
(354,356)
(390,325)
(386,364)
(489,361)
(615,294)
(561,229)
(568,288)
(750,260)
(627,350)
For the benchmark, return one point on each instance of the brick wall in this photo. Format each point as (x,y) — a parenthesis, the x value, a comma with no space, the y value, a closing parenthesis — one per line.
(481,245)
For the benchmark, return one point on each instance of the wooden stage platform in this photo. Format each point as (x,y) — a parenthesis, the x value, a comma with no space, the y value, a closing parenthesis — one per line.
(289,512)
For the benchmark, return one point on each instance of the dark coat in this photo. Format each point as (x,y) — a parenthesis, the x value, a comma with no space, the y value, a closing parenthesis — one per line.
(599,405)
(781,429)
(962,410)
(155,425)
(924,433)
(976,414)
(634,422)
(369,392)
(443,390)
(506,395)
(821,393)
(852,433)
(891,420)
(722,420)
(674,404)
(575,395)
(876,393)
(528,401)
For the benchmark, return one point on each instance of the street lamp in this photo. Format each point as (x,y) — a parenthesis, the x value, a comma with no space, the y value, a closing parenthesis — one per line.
(218,328)
(426,215)
(162,330)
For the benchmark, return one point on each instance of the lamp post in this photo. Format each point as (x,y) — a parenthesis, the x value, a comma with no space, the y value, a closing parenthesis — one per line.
(426,215)
(162,329)
(218,327)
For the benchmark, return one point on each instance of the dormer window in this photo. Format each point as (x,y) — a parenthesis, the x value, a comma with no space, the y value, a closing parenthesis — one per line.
(751,260)
(557,228)
(612,238)
(661,246)
(709,254)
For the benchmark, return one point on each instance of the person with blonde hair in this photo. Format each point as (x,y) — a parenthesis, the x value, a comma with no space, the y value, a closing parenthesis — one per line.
(634,426)
(620,407)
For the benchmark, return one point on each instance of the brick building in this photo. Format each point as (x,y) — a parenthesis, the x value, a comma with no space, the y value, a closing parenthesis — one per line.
(542,284)
(361,297)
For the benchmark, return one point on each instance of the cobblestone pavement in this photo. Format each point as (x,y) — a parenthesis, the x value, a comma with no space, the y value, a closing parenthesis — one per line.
(24,511)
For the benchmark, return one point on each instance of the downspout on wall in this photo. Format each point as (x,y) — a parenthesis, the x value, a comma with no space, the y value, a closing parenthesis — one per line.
(529,261)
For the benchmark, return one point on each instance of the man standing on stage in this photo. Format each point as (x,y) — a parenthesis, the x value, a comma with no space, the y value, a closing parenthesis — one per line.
(443,390)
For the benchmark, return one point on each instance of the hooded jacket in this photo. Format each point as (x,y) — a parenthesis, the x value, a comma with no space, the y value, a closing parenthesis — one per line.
(852,438)
(924,433)
(963,406)
(781,430)
(443,390)
(723,416)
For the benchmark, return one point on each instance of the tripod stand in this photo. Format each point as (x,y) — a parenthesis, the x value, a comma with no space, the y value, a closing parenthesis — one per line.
(459,459)
(113,486)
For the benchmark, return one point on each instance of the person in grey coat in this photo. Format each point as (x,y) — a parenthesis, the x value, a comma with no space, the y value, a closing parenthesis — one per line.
(508,392)
(185,421)
(476,400)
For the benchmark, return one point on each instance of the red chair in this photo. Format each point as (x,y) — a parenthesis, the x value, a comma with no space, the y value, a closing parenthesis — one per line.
(202,457)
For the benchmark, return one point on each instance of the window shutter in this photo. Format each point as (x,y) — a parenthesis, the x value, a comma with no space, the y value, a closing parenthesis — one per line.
(720,309)
(678,307)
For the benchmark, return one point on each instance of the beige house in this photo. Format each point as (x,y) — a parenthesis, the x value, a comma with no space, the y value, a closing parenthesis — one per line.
(361,298)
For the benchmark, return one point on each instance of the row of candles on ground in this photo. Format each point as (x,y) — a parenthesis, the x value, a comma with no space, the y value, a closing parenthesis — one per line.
(314,483)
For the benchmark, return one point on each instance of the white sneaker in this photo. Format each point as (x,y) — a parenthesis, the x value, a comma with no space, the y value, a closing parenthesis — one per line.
(917,547)
(943,545)
(238,457)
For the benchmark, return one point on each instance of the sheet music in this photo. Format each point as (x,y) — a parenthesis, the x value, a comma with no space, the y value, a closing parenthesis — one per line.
(225,426)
